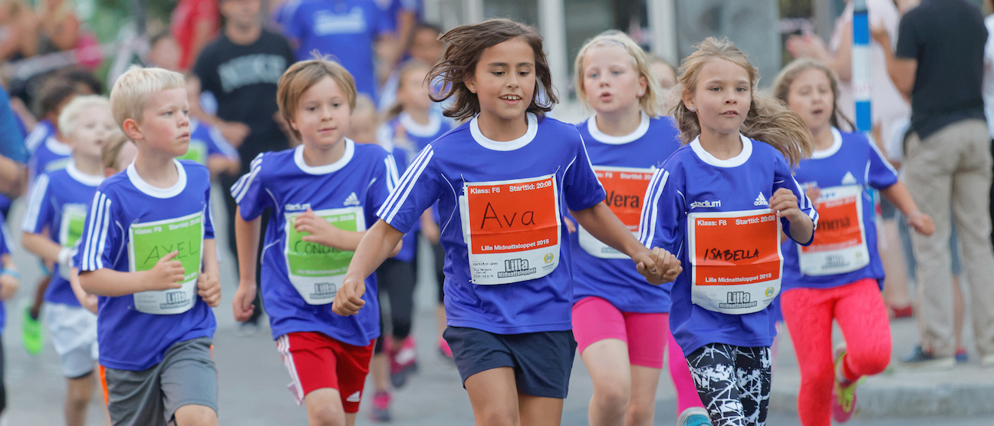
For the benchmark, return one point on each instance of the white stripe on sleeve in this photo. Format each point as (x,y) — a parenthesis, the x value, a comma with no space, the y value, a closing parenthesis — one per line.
(37,197)
(407,182)
(649,213)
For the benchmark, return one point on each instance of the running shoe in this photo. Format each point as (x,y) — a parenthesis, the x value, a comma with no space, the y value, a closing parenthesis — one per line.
(694,416)
(381,407)
(919,358)
(403,362)
(31,334)
(843,393)
(443,348)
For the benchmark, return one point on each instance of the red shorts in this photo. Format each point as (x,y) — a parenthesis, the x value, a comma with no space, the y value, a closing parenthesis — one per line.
(316,361)
(596,319)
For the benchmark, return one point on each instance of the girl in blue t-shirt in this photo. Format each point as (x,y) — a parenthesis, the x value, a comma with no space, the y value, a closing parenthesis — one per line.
(503,181)
(621,323)
(840,275)
(719,203)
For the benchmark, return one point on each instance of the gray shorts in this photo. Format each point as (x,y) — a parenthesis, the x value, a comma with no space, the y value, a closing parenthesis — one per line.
(186,376)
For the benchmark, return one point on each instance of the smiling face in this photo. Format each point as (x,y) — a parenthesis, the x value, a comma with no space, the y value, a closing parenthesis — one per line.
(611,81)
(322,115)
(722,96)
(92,129)
(811,97)
(504,80)
(165,124)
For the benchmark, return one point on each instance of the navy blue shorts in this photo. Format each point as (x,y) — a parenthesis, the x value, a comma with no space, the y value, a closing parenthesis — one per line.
(541,361)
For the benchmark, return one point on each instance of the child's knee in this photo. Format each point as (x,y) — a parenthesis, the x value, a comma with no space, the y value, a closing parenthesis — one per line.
(195,415)
(868,362)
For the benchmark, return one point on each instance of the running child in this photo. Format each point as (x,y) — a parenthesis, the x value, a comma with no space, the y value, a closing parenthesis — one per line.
(148,253)
(323,194)
(840,275)
(503,181)
(619,321)
(59,202)
(720,202)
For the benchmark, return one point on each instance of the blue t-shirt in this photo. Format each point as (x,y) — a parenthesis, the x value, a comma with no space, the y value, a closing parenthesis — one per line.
(855,165)
(41,131)
(299,279)
(132,224)
(402,157)
(4,249)
(11,131)
(59,201)
(624,166)
(404,131)
(207,141)
(507,257)
(693,181)
(50,155)
(345,29)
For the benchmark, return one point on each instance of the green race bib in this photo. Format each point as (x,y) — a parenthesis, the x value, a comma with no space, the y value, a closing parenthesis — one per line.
(151,241)
(71,229)
(197,151)
(315,270)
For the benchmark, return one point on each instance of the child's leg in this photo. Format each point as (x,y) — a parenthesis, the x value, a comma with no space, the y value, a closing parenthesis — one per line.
(712,367)
(753,374)
(862,316)
(494,396)
(189,384)
(808,314)
(322,369)
(74,336)
(646,347)
(686,392)
(78,393)
(324,408)
(601,336)
(195,415)
(540,411)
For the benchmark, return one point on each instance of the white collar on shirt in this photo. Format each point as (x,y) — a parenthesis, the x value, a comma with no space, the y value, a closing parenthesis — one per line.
(618,140)
(474,128)
(298,158)
(735,161)
(152,191)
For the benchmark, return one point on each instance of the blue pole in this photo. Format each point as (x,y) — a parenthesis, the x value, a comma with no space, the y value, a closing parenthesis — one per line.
(861,66)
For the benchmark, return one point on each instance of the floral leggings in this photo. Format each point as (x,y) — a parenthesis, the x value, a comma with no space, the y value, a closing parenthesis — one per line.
(733,382)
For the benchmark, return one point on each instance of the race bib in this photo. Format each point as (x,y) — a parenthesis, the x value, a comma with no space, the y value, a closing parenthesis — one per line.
(840,243)
(315,270)
(149,242)
(197,151)
(736,261)
(625,189)
(511,229)
(71,229)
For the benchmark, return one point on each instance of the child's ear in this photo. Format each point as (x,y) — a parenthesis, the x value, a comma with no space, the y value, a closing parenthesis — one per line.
(688,101)
(470,83)
(643,85)
(131,128)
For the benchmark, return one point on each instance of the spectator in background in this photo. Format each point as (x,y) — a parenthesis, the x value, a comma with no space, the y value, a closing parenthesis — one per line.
(59,29)
(989,83)
(20,26)
(425,47)
(939,61)
(403,17)
(666,75)
(194,24)
(164,52)
(344,29)
(13,155)
(241,69)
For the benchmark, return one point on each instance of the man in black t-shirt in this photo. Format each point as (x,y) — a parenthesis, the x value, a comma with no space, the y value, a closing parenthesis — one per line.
(241,69)
(940,63)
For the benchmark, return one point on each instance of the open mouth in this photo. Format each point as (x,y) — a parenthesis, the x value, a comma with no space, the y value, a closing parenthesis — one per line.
(730,113)
(510,98)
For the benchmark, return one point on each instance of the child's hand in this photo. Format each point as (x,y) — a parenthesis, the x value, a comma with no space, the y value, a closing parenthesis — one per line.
(921,223)
(570,226)
(784,204)
(242,305)
(167,274)
(348,300)
(8,286)
(321,231)
(209,289)
(663,268)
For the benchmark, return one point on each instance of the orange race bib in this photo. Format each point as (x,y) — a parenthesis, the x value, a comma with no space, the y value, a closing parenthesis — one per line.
(625,189)
(840,243)
(735,259)
(511,229)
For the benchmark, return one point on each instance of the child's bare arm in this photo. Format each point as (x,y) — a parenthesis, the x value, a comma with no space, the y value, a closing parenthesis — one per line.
(167,274)
(41,246)
(247,243)
(9,278)
(898,195)
(326,234)
(378,244)
(606,227)
(209,281)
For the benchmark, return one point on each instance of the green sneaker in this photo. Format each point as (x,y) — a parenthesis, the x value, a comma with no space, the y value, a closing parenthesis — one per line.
(31,333)
(843,393)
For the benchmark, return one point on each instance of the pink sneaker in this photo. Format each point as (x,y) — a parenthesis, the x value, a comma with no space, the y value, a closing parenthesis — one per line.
(843,392)
(403,363)
(381,407)
(443,347)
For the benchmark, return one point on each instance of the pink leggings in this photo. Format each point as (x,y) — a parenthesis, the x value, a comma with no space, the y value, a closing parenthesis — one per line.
(859,309)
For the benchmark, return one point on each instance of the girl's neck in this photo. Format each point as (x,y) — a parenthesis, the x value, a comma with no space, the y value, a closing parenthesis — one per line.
(156,169)
(419,115)
(722,146)
(823,137)
(316,156)
(88,165)
(619,123)
(498,129)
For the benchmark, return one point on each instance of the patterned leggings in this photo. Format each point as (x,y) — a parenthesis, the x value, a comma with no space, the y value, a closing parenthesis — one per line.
(734,383)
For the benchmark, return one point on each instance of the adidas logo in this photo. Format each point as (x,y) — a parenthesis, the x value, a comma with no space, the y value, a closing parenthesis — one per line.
(354,397)
(352,200)
(848,179)
(760,200)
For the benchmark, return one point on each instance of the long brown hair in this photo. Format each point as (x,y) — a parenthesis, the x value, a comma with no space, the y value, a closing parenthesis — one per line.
(768,120)
(465,46)
(781,87)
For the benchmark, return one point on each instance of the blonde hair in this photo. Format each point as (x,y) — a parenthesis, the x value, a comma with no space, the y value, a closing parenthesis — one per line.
(650,102)
(781,87)
(768,120)
(133,88)
(111,149)
(72,111)
(408,67)
(305,74)
(365,105)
